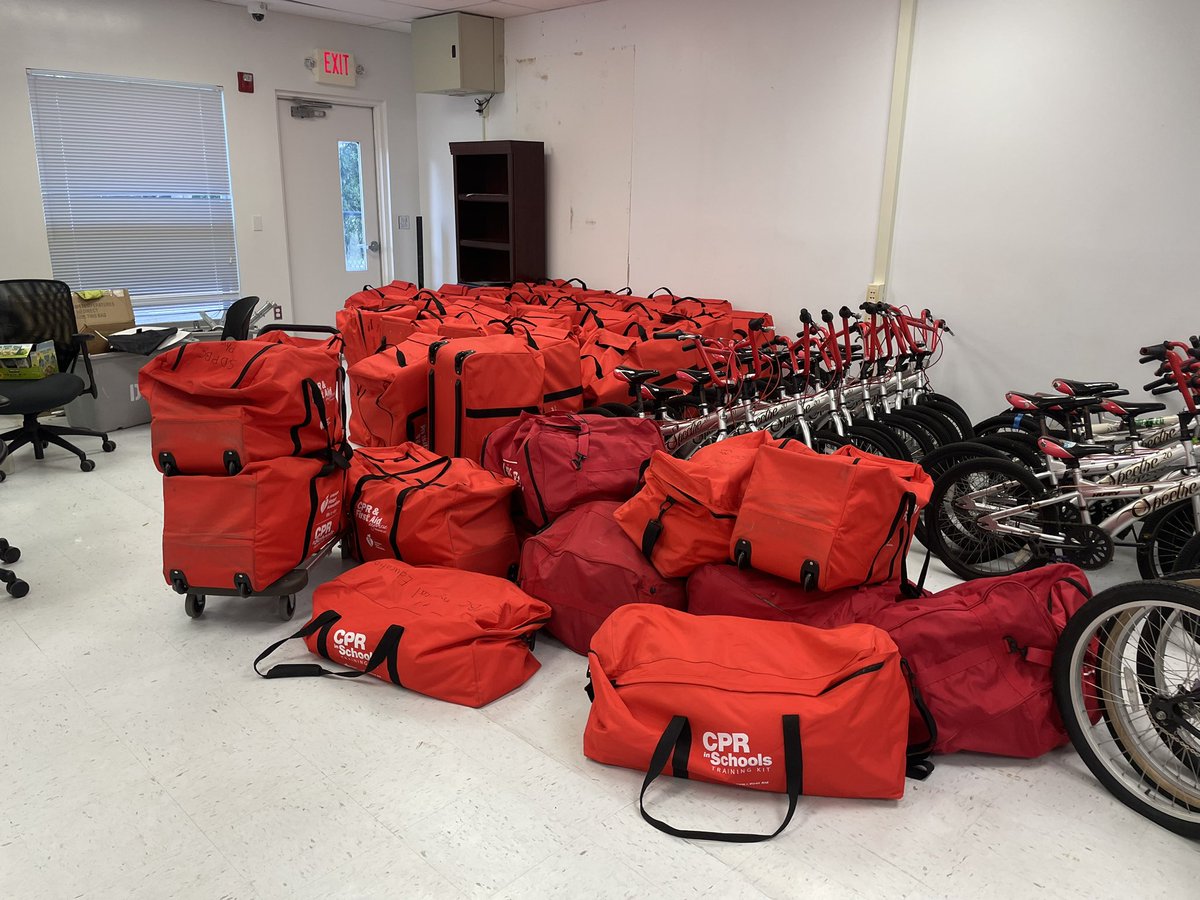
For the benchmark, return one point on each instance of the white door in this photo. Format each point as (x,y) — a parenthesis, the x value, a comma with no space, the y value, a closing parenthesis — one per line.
(332,205)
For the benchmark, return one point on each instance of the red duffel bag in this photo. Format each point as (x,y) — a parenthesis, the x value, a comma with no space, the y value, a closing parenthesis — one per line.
(429,510)
(584,567)
(456,636)
(248,530)
(980,656)
(216,407)
(391,394)
(829,521)
(683,517)
(724,590)
(562,460)
(764,705)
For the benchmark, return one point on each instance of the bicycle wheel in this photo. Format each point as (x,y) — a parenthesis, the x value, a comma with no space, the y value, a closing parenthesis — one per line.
(872,439)
(943,429)
(1030,423)
(950,410)
(827,440)
(965,493)
(946,457)
(916,438)
(1163,537)
(1139,737)
(1188,560)
(1016,446)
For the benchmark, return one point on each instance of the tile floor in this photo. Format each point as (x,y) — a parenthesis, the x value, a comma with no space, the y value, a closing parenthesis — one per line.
(140,756)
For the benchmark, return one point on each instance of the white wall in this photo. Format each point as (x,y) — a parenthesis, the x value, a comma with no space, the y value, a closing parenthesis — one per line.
(731,149)
(1049,187)
(201,42)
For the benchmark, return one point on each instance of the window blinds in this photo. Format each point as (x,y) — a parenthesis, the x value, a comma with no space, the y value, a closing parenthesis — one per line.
(135,187)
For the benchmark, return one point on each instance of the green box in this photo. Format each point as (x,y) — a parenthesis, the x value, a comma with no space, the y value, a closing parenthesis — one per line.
(26,362)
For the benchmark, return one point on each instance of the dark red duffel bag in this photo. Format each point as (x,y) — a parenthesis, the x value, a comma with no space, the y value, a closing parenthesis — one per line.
(216,407)
(722,590)
(980,656)
(248,530)
(562,460)
(584,566)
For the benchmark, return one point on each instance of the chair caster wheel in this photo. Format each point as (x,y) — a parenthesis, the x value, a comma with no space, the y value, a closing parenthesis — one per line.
(286,607)
(193,605)
(86,465)
(18,588)
(108,446)
(8,553)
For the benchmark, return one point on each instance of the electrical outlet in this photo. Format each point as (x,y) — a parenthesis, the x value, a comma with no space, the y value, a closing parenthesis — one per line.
(875,292)
(278,313)
(403,223)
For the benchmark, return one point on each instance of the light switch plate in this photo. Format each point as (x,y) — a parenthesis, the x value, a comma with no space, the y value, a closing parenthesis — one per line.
(403,223)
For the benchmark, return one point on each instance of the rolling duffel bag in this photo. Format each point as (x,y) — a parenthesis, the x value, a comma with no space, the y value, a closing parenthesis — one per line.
(980,656)
(584,567)
(724,590)
(683,517)
(248,530)
(478,384)
(560,461)
(391,394)
(829,521)
(430,510)
(216,407)
(455,636)
(763,705)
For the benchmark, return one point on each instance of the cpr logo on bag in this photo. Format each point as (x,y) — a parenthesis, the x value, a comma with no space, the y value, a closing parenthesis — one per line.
(510,470)
(351,645)
(738,760)
(329,504)
(370,516)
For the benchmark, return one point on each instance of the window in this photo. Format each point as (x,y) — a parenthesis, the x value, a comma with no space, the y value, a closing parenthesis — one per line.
(135,189)
(350,170)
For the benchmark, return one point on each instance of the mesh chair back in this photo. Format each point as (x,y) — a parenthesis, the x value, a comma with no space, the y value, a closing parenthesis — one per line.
(237,319)
(35,310)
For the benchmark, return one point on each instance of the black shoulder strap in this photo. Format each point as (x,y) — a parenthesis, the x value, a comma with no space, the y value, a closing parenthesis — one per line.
(387,649)
(675,745)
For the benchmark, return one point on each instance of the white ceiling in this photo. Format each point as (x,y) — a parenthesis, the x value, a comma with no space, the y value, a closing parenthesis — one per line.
(398,16)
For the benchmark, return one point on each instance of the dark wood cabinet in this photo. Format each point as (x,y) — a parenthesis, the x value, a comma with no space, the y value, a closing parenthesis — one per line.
(500,211)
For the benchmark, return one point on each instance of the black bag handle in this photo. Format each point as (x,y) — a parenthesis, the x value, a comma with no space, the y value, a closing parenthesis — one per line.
(919,765)
(653,293)
(675,745)
(385,650)
(641,331)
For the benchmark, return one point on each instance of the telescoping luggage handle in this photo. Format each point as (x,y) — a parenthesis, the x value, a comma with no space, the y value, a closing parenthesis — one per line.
(676,744)
(386,650)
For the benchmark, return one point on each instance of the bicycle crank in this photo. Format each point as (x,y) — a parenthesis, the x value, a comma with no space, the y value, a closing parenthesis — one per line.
(1087,546)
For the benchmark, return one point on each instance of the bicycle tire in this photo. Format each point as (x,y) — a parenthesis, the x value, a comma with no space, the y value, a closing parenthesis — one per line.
(871,439)
(917,439)
(1014,445)
(620,410)
(950,409)
(974,547)
(1080,665)
(1013,420)
(827,440)
(1188,560)
(597,411)
(1163,537)
(943,459)
(940,426)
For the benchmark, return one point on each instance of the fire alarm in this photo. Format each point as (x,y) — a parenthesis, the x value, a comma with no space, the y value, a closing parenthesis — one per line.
(246,82)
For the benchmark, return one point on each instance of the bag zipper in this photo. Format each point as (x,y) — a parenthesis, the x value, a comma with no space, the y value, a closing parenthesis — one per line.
(865,670)
(250,362)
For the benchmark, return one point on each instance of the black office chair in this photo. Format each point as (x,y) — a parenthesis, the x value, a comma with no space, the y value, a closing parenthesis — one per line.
(32,311)
(8,553)
(237,319)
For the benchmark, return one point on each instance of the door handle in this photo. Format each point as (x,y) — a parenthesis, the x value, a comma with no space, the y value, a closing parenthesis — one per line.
(373,246)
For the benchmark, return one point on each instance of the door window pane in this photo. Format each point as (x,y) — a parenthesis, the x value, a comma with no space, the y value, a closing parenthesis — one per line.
(353,233)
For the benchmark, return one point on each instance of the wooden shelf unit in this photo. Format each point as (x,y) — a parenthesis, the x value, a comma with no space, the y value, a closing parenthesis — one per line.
(500,211)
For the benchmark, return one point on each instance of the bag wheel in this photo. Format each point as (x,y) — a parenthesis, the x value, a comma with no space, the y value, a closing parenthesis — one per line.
(193,605)
(286,607)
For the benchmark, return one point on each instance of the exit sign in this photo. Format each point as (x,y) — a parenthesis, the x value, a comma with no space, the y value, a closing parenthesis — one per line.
(334,67)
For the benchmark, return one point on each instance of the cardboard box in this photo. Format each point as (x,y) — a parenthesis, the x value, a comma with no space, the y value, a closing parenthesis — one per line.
(101,313)
(25,362)
(120,404)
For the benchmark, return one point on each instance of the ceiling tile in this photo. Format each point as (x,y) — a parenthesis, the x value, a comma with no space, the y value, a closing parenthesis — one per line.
(545,5)
(318,12)
(439,6)
(500,10)
(378,9)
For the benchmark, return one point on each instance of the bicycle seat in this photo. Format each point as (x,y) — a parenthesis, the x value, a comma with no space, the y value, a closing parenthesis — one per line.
(1126,410)
(1072,452)
(660,394)
(1077,388)
(695,376)
(1042,402)
(633,376)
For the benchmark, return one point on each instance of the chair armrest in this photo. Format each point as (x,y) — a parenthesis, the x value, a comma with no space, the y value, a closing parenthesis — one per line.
(82,341)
